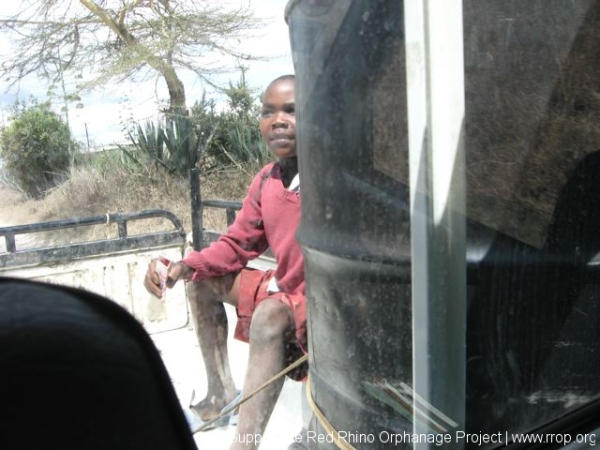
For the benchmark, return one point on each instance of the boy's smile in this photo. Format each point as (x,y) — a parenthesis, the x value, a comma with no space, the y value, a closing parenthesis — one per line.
(278,118)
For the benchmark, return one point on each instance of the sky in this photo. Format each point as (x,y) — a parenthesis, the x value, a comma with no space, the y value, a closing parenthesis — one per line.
(101,120)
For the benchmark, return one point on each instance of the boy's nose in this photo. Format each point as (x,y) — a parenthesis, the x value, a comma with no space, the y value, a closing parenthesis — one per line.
(279,121)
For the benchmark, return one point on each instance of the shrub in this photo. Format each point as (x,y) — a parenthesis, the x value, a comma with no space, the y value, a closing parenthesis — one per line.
(171,145)
(231,136)
(217,139)
(36,148)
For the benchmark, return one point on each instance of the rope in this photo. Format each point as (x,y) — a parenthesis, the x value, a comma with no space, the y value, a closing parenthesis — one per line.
(337,440)
(244,399)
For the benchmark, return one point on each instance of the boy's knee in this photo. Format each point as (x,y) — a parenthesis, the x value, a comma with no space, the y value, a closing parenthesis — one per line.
(271,321)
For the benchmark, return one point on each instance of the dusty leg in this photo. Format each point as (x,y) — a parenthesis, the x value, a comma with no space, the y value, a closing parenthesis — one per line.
(210,322)
(272,327)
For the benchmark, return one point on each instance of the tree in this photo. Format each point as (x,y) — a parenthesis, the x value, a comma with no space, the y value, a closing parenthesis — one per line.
(115,40)
(36,147)
(239,96)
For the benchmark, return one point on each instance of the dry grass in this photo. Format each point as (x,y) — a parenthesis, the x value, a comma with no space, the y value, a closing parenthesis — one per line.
(115,189)
(16,209)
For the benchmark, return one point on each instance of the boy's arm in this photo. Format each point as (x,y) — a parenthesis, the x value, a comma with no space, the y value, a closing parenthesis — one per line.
(244,240)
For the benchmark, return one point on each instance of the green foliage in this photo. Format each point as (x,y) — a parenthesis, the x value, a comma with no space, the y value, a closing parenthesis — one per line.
(206,123)
(239,96)
(100,162)
(246,146)
(222,138)
(147,145)
(36,147)
(181,144)
(171,145)
(232,136)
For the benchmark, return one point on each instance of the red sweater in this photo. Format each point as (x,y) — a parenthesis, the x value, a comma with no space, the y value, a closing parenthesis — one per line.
(269,217)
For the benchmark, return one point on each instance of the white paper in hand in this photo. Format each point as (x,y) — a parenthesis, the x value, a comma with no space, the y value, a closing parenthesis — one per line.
(156,305)
(162,271)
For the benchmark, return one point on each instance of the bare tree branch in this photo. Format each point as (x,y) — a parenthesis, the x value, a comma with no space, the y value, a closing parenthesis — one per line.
(115,40)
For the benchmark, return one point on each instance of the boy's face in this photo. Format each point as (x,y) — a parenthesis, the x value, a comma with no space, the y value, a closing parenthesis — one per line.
(278,118)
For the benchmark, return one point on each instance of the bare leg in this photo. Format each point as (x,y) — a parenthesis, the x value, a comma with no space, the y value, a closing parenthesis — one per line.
(210,323)
(272,327)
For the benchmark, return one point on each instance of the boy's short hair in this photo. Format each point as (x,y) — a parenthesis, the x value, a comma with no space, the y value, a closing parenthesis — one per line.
(286,77)
(282,78)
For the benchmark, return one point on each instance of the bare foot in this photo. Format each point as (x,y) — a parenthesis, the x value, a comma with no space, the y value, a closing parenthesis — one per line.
(210,407)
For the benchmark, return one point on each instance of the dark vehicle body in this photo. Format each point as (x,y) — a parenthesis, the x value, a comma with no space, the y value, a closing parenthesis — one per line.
(528,340)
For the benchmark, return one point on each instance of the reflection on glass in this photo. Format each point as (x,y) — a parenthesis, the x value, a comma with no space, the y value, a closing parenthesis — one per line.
(532,195)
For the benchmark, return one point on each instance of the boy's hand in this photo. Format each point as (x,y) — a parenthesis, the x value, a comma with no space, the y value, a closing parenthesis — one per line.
(178,271)
(158,276)
(152,280)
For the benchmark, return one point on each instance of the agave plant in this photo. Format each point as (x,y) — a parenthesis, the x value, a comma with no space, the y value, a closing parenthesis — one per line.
(246,146)
(147,145)
(172,145)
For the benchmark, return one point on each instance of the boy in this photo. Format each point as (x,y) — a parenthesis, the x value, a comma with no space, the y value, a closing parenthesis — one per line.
(271,305)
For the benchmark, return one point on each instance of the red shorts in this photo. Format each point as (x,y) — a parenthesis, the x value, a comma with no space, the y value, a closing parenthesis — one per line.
(253,290)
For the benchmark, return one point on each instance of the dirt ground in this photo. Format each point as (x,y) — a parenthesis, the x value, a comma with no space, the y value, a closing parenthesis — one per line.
(14,209)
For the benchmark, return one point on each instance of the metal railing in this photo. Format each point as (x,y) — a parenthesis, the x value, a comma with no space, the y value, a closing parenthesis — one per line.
(14,257)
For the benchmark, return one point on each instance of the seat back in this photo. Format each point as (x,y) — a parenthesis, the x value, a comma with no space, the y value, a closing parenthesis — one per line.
(78,371)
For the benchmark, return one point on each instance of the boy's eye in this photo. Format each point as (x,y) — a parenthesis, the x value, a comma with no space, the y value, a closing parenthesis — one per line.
(265,113)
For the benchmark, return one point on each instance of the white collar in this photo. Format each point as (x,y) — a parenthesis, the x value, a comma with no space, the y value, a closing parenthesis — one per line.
(295,184)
